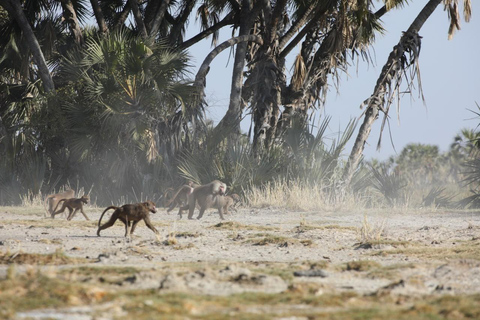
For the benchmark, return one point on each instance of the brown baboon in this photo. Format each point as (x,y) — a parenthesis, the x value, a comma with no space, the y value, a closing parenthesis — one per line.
(167,197)
(181,196)
(73,205)
(53,200)
(236,199)
(227,202)
(130,215)
(206,196)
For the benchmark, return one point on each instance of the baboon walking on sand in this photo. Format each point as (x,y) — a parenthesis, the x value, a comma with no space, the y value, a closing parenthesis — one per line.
(130,215)
(73,205)
(206,196)
(53,200)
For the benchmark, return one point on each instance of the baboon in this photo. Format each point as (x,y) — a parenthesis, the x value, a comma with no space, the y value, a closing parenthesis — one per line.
(130,215)
(236,199)
(205,196)
(167,196)
(53,200)
(73,205)
(181,196)
(226,202)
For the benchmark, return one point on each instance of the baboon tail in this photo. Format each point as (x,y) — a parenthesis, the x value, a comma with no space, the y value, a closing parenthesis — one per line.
(58,204)
(111,207)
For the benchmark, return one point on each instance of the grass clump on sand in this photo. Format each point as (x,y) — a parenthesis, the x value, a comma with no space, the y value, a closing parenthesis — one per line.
(304,227)
(53,223)
(34,290)
(232,225)
(99,271)
(342,306)
(360,265)
(460,250)
(262,239)
(57,258)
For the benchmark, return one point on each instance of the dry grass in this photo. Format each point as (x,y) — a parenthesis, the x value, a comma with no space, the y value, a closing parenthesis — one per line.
(461,250)
(303,227)
(371,232)
(23,210)
(262,239)
(33,290)
(296,196)
(53,223)
(232,225)
(185,234)
(361,265)
(56,258)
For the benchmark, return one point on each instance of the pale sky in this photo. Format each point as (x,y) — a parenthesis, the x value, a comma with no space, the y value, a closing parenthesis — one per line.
(450,74)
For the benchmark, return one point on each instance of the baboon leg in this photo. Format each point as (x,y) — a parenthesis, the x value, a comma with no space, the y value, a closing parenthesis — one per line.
(191,208)
(200,215)
(220,212)
(180,211)
(84,214)
(127,226)
(59,211)
(71,215)
(107,224)
(150,225)
(133,227)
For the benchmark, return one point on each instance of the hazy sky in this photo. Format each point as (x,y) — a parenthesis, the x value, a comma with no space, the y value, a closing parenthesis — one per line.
(450,74)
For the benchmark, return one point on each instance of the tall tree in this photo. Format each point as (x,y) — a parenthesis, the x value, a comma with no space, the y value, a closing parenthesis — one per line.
(70,15)
(15,9)
(403,57)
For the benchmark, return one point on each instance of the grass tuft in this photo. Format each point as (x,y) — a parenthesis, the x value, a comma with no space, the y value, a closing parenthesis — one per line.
(57,258)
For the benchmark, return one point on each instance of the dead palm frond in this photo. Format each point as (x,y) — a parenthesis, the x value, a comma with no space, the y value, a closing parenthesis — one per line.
(451,6)
(299,73)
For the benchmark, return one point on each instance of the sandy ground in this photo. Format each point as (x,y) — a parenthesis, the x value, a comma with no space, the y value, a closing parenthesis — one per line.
(316,242)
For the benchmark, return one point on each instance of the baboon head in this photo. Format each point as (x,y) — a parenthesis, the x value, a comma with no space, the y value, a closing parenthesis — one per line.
(218,188)
(85,198)
(150,205)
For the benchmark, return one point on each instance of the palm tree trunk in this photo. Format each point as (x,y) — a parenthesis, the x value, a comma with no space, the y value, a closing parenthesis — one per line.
(176,31)
(142,31)
(157,21)
(102,25)
(377,100)
(15,9)
(71,18)
(231,121)
(203,70)
(122,16)
(228,19)
(202,73)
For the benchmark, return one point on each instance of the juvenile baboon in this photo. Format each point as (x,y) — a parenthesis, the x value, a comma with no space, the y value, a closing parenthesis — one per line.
(205,196)
(73,205)
(236,199)
(181,196)
(53,200)
(226,202)
(130,215)
(167,197)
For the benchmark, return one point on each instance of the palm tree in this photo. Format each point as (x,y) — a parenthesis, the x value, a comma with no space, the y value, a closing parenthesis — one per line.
(138,93)
(15,10)
(403,57)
